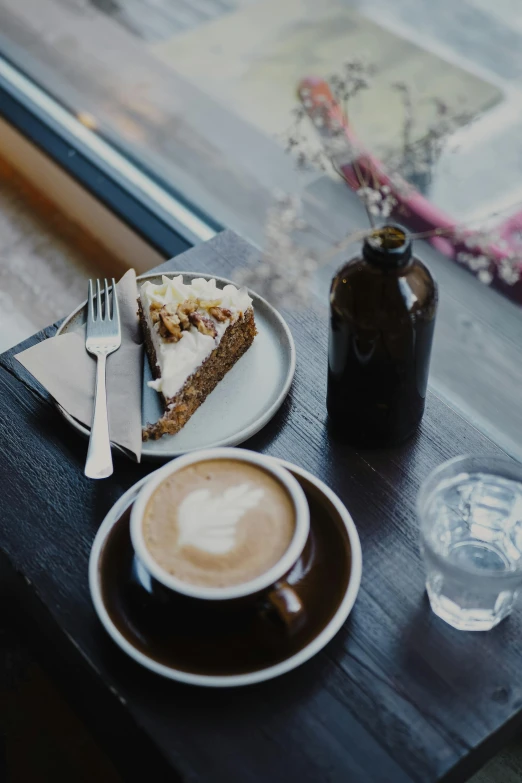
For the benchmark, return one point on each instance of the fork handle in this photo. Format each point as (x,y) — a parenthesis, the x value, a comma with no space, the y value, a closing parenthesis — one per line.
(99,456)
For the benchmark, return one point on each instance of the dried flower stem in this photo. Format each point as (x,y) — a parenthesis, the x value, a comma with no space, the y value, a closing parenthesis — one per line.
(362,184)
(409,167)
(355,236)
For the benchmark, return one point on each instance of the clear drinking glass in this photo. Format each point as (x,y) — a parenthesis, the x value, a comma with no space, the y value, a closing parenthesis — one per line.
(470,515)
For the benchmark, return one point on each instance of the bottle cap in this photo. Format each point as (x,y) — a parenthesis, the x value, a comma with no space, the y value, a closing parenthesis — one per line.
(388,246)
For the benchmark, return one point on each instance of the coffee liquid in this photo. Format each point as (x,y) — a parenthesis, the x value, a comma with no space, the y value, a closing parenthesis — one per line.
(219,523)
(382,317)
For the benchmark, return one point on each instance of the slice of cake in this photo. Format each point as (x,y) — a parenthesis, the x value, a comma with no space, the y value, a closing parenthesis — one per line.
(194,334)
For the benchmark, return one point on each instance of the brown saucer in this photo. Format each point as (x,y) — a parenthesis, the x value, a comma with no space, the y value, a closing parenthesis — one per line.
(188,639)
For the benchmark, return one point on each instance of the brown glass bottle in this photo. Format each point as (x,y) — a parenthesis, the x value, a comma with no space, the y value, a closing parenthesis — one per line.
(382,316)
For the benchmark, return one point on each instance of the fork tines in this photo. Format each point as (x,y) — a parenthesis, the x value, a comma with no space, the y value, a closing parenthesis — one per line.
(101,309)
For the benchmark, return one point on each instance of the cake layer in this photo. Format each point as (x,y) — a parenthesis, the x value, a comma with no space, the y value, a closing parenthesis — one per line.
(186,322)
(194,334)
(236,340)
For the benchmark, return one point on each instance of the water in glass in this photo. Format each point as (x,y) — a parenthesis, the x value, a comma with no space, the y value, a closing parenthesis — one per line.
(471,539)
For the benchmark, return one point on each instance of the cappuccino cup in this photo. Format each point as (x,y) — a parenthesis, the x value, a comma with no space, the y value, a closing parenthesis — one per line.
(224,525)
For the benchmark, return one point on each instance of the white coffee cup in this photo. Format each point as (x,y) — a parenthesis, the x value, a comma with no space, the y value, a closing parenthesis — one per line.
(282,597)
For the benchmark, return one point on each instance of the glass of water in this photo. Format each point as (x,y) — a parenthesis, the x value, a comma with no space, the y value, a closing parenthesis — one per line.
(470,515)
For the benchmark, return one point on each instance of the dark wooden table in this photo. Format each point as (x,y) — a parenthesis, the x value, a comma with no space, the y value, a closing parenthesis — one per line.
(397,696)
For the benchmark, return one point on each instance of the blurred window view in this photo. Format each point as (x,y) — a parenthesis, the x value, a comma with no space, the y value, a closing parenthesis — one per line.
(202,93)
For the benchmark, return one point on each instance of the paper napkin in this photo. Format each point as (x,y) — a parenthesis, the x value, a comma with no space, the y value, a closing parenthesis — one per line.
(63,366)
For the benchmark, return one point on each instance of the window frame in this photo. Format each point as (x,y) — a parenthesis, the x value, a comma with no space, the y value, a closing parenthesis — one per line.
(154,210)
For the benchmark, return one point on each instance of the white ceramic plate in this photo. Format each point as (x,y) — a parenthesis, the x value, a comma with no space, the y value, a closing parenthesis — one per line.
(213,681)
(241,404)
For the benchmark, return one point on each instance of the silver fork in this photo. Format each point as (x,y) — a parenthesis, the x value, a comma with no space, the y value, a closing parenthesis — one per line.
(102,338)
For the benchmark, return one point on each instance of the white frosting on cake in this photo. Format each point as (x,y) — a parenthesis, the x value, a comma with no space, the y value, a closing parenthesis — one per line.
(177,361)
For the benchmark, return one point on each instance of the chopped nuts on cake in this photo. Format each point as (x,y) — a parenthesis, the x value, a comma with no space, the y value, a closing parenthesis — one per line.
(169,326)
(173,320)
(220,313)
(203,324)
(154,312)
(184,310)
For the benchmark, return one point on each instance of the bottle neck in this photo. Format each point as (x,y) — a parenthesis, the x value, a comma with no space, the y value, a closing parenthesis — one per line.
(388,247)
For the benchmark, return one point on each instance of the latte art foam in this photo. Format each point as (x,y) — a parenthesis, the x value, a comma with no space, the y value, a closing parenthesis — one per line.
(209,522)
(219,523)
